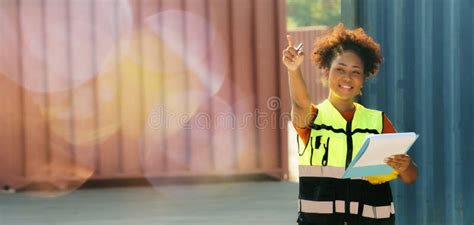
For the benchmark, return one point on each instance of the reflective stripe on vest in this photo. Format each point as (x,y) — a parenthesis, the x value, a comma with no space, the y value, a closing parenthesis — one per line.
(378,212)
(322,171)
(327,207)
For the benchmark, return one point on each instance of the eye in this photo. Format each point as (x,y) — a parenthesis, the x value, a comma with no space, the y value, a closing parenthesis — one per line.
(339,69)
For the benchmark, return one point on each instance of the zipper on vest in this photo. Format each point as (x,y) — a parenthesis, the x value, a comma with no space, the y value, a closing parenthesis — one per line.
(312,150)
(348,161)
(349,143)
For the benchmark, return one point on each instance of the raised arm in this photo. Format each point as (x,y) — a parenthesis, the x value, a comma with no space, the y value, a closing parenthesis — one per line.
(300,101)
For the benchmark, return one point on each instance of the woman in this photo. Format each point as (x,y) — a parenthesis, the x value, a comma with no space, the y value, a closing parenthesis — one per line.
(332,132)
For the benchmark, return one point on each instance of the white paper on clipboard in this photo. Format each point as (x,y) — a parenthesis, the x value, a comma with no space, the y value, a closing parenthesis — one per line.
(381,146)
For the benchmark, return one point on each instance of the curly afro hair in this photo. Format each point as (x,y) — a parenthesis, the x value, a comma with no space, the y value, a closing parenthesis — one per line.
(340,39)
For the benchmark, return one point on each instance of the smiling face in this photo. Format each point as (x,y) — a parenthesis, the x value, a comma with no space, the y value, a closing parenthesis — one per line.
(345,77)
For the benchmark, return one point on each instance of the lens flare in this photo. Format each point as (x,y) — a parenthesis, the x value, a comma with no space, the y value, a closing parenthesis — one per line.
(60,45)
(193,39)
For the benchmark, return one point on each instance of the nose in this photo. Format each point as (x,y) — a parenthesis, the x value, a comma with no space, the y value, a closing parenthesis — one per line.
(347,77)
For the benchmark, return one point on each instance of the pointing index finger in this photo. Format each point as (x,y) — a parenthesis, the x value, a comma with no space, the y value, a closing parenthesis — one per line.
(291,41)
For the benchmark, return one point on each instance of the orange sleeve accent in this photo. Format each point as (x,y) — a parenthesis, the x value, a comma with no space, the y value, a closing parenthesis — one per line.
(304,132)
(387,125)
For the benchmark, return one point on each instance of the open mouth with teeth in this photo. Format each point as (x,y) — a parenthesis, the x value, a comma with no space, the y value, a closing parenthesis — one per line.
(346,87)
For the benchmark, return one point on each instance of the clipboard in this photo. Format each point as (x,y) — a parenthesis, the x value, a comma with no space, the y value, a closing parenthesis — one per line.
(369,161)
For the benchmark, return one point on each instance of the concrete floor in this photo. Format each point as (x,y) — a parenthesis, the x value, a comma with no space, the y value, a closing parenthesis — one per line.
(234,203)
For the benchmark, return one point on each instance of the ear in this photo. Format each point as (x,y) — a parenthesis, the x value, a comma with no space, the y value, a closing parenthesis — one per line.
(324,76)
(325,73)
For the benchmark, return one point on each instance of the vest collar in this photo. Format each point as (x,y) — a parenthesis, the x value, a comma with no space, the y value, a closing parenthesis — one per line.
(337,116)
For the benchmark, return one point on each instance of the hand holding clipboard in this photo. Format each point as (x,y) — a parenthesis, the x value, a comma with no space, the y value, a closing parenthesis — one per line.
(371,159)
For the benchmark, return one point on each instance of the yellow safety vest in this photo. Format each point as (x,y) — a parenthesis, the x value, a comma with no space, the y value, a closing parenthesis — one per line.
(333,143)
